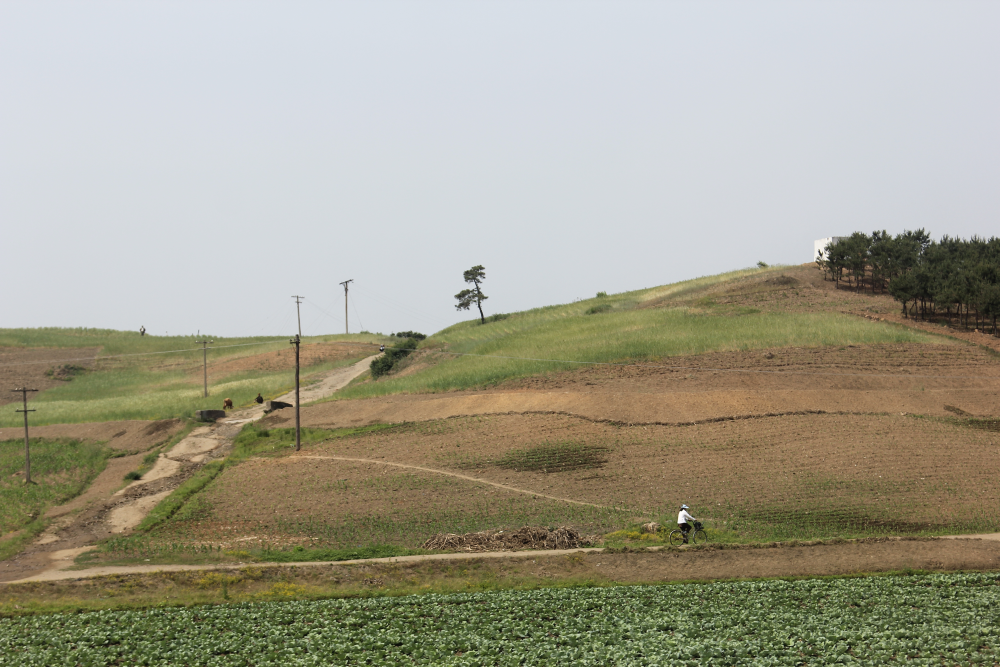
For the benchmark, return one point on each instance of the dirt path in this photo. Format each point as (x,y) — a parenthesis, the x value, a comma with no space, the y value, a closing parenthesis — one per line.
(331,382)
(658,564)
(78,526)
(447,474)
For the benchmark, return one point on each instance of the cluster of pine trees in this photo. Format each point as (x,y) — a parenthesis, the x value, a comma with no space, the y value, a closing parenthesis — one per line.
(951,278)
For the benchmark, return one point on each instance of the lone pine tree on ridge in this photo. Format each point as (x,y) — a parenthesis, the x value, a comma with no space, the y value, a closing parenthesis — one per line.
(476,275)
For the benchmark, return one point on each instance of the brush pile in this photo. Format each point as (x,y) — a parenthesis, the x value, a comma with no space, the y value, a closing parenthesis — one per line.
(529,537)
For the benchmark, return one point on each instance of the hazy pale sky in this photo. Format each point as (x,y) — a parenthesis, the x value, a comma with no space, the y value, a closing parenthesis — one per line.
(191,165)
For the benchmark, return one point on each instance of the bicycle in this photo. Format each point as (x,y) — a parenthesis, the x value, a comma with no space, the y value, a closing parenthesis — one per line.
(696,536)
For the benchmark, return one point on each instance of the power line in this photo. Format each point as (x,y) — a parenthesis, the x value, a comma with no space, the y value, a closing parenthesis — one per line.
(358,315)
(409,312)
(314,324)
(399,306)
(323,310)
(276,315)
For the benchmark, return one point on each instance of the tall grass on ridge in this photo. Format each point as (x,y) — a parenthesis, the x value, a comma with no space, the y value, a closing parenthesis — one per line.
(648,335)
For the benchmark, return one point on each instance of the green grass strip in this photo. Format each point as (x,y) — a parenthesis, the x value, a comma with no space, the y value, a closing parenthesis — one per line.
(172,503)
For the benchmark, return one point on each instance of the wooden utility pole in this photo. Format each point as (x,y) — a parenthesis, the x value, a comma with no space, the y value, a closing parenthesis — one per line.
(27,451)
(298,440)
(204,361)
(347,329)
(297,312)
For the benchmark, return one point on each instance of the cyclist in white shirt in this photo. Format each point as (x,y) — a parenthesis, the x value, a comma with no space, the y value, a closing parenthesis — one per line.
(682,522)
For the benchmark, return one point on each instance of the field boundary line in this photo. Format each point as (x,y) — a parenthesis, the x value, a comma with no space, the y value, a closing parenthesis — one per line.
(447,473)
(696,422)
(619,422)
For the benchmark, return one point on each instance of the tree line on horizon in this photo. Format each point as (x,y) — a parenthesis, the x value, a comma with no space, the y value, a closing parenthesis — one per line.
(953,277)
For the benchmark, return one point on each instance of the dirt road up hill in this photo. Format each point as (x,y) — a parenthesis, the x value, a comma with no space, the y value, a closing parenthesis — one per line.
(102,510)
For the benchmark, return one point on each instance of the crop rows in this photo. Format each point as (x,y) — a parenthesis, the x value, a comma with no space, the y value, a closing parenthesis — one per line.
(929,619)
(557,457)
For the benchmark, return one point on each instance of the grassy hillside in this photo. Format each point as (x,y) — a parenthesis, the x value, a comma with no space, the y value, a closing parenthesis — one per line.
(155,377)
(60,470)
(849,469)
(113,342)
(158,377)
(627,327)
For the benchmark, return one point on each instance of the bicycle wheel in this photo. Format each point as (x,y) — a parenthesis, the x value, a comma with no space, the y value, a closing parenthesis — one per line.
(699,537)
(676,538)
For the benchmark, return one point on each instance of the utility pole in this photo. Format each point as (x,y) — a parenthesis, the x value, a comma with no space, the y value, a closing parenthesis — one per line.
(204,360)
(297,312)
(298,440)
(347,329)
(27,451)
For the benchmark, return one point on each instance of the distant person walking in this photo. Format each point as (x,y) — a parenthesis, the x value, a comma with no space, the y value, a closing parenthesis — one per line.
(142,331)
(259,399)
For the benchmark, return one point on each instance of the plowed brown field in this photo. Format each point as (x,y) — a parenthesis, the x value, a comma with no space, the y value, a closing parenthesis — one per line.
(784,443)
(937,380)
(799,476)
(27,367)
(127,436)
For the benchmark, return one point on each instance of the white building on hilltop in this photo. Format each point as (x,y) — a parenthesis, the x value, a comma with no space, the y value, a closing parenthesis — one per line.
(821,244)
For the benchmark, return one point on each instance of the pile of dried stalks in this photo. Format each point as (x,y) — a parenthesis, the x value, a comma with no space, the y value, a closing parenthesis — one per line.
(529,537)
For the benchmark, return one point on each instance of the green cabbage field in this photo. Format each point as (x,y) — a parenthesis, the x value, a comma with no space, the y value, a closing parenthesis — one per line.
(951,619)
